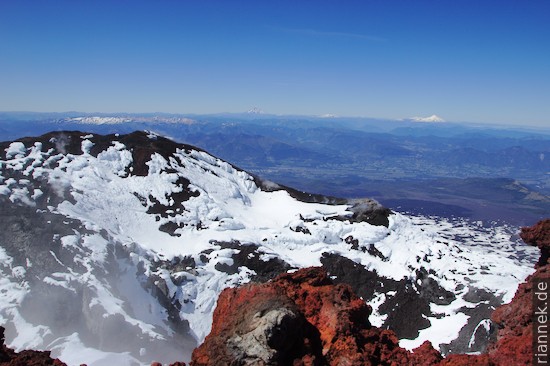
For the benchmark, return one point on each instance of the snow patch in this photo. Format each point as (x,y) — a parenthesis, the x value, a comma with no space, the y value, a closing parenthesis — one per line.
(16,150)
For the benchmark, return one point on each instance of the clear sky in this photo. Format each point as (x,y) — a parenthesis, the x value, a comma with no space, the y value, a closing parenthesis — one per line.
(477,61)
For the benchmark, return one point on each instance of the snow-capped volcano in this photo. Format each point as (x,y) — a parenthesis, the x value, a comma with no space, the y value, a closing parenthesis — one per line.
(113,249)
(433,118)
(255,110)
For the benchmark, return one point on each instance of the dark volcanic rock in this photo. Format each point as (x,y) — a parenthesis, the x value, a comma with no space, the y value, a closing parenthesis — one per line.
(370,211)
(407,310)
(479,332)
(247,255)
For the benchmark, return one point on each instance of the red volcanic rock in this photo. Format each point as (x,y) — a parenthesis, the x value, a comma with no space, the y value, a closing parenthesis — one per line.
(9,357)
(539,235)
(334,311)
(470,360)
(254,322)
(301,319)
(425,355)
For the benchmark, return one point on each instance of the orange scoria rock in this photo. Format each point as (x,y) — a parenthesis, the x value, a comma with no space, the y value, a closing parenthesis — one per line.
(301,318)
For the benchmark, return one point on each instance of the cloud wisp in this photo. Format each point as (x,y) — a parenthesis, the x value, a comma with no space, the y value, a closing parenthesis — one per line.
(321,33)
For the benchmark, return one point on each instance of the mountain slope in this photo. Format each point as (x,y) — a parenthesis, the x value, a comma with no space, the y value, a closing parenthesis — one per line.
(115,249)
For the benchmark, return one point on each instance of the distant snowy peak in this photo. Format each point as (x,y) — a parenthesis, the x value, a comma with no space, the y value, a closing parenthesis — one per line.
(431,119)
(99,120)
(112,120)
(328,115)
(255,110)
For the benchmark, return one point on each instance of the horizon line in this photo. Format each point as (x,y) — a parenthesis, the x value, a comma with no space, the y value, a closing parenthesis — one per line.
(323,116)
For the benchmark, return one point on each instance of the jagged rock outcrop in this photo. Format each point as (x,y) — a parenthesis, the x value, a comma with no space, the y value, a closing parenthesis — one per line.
(300,318)
(539,235)
(9,357)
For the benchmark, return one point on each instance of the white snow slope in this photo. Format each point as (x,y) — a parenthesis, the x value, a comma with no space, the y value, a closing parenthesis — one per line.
(112,204)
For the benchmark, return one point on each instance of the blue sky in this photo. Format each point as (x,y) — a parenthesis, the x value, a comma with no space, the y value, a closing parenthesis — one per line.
(477,61)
